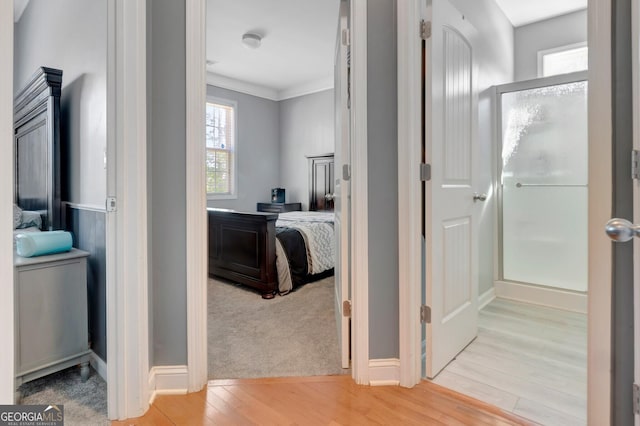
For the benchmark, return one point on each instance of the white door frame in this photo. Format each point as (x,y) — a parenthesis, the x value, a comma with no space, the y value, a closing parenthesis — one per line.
(409,191)
(126,240)
(600,185)
(196,202)
(7,376)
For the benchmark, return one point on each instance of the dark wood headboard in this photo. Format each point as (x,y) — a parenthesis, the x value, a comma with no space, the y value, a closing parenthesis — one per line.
(37,147)
(321,176)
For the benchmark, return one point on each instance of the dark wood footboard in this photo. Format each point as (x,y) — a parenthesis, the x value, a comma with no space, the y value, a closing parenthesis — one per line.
(242,248)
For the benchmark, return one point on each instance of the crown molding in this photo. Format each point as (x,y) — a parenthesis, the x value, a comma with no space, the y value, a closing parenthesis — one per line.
(264,92)
(241,86)
(315,86)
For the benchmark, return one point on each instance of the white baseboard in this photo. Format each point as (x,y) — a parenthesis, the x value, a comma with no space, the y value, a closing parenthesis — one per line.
(546,296)
(168,380)
(486,298)
(99,365)
(384,372)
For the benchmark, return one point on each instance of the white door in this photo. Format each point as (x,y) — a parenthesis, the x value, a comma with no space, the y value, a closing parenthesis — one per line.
(451,211)
(341,188)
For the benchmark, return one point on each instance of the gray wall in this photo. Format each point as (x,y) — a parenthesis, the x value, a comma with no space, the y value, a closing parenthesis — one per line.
(258,147)
(72,35)
(306,128)
(167,171)
(382,163)
(88,228)
(559,31)
(495,66)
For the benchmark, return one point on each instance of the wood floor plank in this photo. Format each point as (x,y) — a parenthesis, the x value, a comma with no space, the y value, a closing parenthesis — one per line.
(334,401)
(545,415)
(478,390)
(533,353)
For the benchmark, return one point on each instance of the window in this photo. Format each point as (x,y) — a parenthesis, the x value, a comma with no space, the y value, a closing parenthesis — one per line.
(221,148)
(562,60)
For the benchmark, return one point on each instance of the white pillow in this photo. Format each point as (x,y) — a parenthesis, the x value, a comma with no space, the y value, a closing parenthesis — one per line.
(17,216)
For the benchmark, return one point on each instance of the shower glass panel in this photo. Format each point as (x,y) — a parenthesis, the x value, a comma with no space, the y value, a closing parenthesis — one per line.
(544,186)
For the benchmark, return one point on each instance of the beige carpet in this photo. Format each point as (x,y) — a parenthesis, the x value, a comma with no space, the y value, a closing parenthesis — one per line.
(292,335)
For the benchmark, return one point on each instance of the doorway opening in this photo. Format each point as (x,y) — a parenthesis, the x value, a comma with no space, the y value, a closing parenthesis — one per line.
(286,152)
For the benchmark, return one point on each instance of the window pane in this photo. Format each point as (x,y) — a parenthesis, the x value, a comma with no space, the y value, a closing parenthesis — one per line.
(220,141)
(566,61)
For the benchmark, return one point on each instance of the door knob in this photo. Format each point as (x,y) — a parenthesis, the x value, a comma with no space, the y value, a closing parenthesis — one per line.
(329,197)
(479,197)
(621,230)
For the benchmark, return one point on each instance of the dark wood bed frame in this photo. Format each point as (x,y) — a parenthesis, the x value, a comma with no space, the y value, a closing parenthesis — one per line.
(242,246)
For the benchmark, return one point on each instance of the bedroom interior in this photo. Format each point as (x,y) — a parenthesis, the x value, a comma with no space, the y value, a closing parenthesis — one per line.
(60,142)
(271,227)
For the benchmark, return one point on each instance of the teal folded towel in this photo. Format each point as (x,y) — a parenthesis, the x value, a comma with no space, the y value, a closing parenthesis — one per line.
(41,243)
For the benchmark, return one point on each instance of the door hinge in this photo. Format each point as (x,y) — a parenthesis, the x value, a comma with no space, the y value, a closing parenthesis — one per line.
(346,308)
(635,164)
(346,37)
(425,29)
(425,314)
(346,172)
(111,204)
(636,398)
(425,172)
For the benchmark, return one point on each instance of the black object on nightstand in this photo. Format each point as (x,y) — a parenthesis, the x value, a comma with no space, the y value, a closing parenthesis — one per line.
(279,207)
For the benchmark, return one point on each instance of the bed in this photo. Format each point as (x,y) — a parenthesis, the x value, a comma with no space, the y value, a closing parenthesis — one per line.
(272,252)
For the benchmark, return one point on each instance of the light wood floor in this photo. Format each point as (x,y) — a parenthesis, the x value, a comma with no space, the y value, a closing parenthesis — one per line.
(329,400)
(528,360)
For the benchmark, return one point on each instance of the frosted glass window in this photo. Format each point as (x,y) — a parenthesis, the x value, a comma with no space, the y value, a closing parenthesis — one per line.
(544,186)
(563,60)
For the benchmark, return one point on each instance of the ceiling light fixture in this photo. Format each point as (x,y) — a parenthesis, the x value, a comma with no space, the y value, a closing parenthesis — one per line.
(251,41)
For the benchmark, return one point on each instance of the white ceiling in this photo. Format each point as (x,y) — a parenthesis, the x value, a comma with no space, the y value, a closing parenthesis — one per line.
(297,48)
(522,12)
(296,56)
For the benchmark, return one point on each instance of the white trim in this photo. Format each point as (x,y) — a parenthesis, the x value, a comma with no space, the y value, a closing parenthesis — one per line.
(168,380)
(264,92)
(486,298)
(196,257)
(540,295)
(384,372)
(216,100)
(252,89)
(7,377)
(409,191)
(599,337)
(87,207)
(304,89)
(98,364)
(127,248)
(359,194)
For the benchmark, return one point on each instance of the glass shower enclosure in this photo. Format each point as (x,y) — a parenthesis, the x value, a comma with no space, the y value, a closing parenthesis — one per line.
(542,181)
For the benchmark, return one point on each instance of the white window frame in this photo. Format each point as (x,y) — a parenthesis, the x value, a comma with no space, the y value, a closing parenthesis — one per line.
(543,53)
(234,165)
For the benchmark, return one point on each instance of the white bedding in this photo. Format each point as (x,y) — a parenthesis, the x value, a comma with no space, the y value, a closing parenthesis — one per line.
(317,231)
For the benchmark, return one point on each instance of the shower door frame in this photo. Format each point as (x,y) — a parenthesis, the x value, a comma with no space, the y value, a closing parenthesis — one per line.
(567,299)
